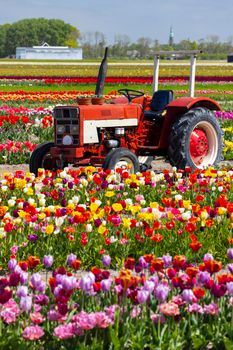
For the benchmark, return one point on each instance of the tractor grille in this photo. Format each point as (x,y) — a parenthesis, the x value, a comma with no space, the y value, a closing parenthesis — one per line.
(67,117)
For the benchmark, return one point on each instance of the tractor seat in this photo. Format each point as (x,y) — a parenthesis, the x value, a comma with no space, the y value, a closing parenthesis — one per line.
(158,103)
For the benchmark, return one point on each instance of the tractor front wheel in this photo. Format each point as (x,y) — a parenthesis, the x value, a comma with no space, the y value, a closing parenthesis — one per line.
(41,158)
(196,140)
(121,158)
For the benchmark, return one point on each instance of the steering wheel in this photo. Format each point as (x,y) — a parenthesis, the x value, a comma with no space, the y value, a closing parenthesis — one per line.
(131,94)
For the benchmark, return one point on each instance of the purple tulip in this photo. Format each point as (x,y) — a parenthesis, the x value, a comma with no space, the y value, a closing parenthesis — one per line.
(53,315)
(106,260)
(41,287)
(230,288)
(41,299)
(22,291)
(97,222)
(155,280)
(142,262)
(68,282)
(230,268)
(142,296)
(18,269)
(149,285)
(218,290)
(104,184)
(167,260)
(36,280)
(106,285)
(71,221)
(116,220)
(23,277)
(70,185)
(26,303)
(72,257)
(161,292)
(57,290)
(86,282)
(48,261)
(118,289)
(12,264)
(59,278)
(230,253)
(203,277)
(188,295)
(208,257)
(15,213)
(32,238)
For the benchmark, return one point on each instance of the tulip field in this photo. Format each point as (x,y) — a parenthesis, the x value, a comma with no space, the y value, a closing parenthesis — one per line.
(94,259)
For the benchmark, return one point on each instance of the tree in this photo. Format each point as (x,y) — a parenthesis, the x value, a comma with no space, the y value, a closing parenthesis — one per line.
(31,32)
(143,46)
(3,31)
(121,45)
(93,44)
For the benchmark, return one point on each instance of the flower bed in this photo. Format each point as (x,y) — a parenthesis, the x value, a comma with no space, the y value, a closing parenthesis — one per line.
(167,236)
(165,302)
(119,213)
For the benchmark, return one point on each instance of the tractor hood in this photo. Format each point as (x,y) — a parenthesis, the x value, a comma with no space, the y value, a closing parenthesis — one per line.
(93,118)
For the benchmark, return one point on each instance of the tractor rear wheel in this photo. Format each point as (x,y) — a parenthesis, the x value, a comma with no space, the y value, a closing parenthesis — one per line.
(41,158)
(196,140)
(121,158)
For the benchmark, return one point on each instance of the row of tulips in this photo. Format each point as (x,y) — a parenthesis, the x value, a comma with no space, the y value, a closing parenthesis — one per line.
(5,109)
(71,95)
(112,79)
(12,119)
(154,302)
(54,96)
(138,69)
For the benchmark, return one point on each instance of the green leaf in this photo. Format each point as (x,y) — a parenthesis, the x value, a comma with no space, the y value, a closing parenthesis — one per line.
(114,339)
(228,344)
(198,341)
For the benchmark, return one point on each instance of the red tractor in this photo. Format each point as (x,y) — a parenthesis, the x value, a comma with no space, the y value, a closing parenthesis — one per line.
(126,133)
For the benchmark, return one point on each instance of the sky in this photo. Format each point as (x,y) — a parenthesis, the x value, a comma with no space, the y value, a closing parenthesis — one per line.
(190,19)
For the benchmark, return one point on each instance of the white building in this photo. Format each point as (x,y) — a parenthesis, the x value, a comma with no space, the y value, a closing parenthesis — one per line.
(46,52)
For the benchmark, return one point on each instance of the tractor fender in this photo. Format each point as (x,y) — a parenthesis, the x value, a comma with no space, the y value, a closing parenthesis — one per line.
(180,106)
(186,103)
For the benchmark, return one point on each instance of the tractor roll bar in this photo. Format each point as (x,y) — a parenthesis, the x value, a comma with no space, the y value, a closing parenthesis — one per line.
(193,55)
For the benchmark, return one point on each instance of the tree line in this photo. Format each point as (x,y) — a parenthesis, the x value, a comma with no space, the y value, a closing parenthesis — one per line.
(93,44)
(55,32)
(36,31)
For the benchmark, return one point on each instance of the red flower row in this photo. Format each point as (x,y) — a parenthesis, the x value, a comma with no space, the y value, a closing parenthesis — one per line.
(118,80)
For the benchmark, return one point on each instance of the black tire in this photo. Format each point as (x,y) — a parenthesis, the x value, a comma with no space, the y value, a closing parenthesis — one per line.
(118,155)
(37,159)
(207,151)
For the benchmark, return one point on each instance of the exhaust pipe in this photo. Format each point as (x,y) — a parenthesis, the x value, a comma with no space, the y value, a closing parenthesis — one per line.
(101,75)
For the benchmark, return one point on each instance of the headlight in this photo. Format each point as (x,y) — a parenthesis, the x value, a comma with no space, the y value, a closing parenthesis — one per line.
(60,129)
(67,140)
(74,129)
